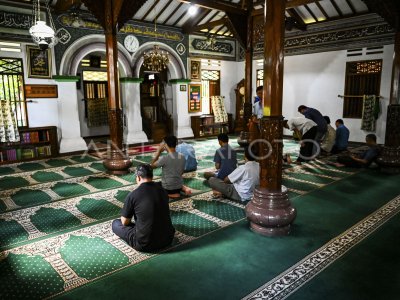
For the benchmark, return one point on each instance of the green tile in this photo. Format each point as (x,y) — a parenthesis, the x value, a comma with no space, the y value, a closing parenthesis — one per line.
(220,210)
(103,183)
(27,197)
(77,171)
(191,224)
(6,171)
(69,189)
(31,167)
(11,232)
(58,162)
(8,183)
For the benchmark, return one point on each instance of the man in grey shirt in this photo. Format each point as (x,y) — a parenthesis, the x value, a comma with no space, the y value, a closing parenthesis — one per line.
(173,166)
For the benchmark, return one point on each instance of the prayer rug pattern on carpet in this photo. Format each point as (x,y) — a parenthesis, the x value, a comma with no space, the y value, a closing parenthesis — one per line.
(56,214)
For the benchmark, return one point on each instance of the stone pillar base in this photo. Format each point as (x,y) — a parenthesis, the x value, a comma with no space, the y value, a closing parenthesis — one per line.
(72,145)
(270,212)
(116,162)
(389,160)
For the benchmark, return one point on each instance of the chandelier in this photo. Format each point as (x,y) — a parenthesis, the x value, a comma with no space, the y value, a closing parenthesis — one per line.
(42,34)
(155,60)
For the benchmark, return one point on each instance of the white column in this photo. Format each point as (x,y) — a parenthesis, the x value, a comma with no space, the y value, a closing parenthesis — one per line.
(182,127)
(71,139)
(130,95)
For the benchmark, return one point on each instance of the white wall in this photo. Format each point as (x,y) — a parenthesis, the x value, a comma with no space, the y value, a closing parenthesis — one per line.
(42,112)
(316,80)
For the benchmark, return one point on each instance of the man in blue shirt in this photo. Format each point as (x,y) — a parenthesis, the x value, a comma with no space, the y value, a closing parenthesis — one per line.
(316,116)
(224,159)
(188,151)
(342,137)
(258,103)
(364,159)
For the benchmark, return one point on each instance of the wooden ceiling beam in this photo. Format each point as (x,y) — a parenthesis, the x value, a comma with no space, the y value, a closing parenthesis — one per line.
(219,5)
(188,26)
(209,25)
(388,9)
(62,6)
(295,3)
(238,26)
(150,10)
(337,8)
(173,13)
(128,10)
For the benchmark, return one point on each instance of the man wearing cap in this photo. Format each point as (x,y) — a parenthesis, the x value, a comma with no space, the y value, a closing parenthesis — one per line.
(151,228)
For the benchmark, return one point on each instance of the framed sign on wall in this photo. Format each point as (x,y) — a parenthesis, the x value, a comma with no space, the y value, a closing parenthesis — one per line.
(41,91)
(39,62)
(194,98)
(195,70)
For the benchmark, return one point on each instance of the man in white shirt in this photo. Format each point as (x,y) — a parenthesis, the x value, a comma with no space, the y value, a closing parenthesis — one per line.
(307,130)
(240,184)
(258,103)
(330,136)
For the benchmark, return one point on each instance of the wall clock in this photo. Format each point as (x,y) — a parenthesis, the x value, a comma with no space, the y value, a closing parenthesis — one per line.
(131,43)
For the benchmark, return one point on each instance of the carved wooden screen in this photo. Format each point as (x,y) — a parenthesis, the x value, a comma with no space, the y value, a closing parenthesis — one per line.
(362,78)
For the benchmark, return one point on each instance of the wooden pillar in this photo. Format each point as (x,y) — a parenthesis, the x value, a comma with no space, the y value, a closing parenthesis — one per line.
(248,67)
(389,159)
(114,113)
(270,212)
(116,161)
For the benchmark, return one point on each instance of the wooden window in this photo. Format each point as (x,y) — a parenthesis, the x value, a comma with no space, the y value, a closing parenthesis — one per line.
(362,78)
(12,88)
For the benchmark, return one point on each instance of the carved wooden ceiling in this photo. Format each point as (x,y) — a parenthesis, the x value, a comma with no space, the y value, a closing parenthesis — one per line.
(221,17)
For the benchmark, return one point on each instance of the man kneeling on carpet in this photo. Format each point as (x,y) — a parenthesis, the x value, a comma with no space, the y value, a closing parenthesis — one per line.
(364,159)
(240,184)
(173,166)
(148,204)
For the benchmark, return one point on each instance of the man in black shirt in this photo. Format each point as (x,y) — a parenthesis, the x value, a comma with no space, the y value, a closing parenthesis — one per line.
(148,205)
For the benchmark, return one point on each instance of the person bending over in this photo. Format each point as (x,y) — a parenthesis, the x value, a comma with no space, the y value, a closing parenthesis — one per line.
(190,155)
(240,184)
(148,204)
(362,160)
(173,166)
(307,130)
(224,158)
(329,139)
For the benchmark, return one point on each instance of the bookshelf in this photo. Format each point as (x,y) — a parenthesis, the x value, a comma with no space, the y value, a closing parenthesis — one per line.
(204,126)
(35,143)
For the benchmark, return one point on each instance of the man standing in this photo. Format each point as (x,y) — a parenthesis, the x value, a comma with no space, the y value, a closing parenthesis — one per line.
(315,115)
(342,137)
(258,103)
(240,184)
(307,130)
(148,204)
(173,166)
(224,158)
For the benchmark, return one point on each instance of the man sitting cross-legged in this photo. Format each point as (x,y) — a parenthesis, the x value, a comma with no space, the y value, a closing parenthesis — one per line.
(224,158)
(148,204)
(173,166)
(240,184)
(364,159)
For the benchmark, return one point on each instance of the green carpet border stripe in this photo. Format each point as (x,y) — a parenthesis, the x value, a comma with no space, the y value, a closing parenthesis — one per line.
(295,277)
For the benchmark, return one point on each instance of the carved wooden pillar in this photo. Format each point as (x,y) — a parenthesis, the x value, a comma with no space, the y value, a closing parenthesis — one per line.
(116,161)
(245,137)
(270,212)
(389,160)
(248,67)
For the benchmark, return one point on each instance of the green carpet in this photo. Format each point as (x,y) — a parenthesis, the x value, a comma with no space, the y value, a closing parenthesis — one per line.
(55,221)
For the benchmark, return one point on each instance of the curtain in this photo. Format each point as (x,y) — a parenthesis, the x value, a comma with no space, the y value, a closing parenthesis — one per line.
(370,113)
(8,123)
